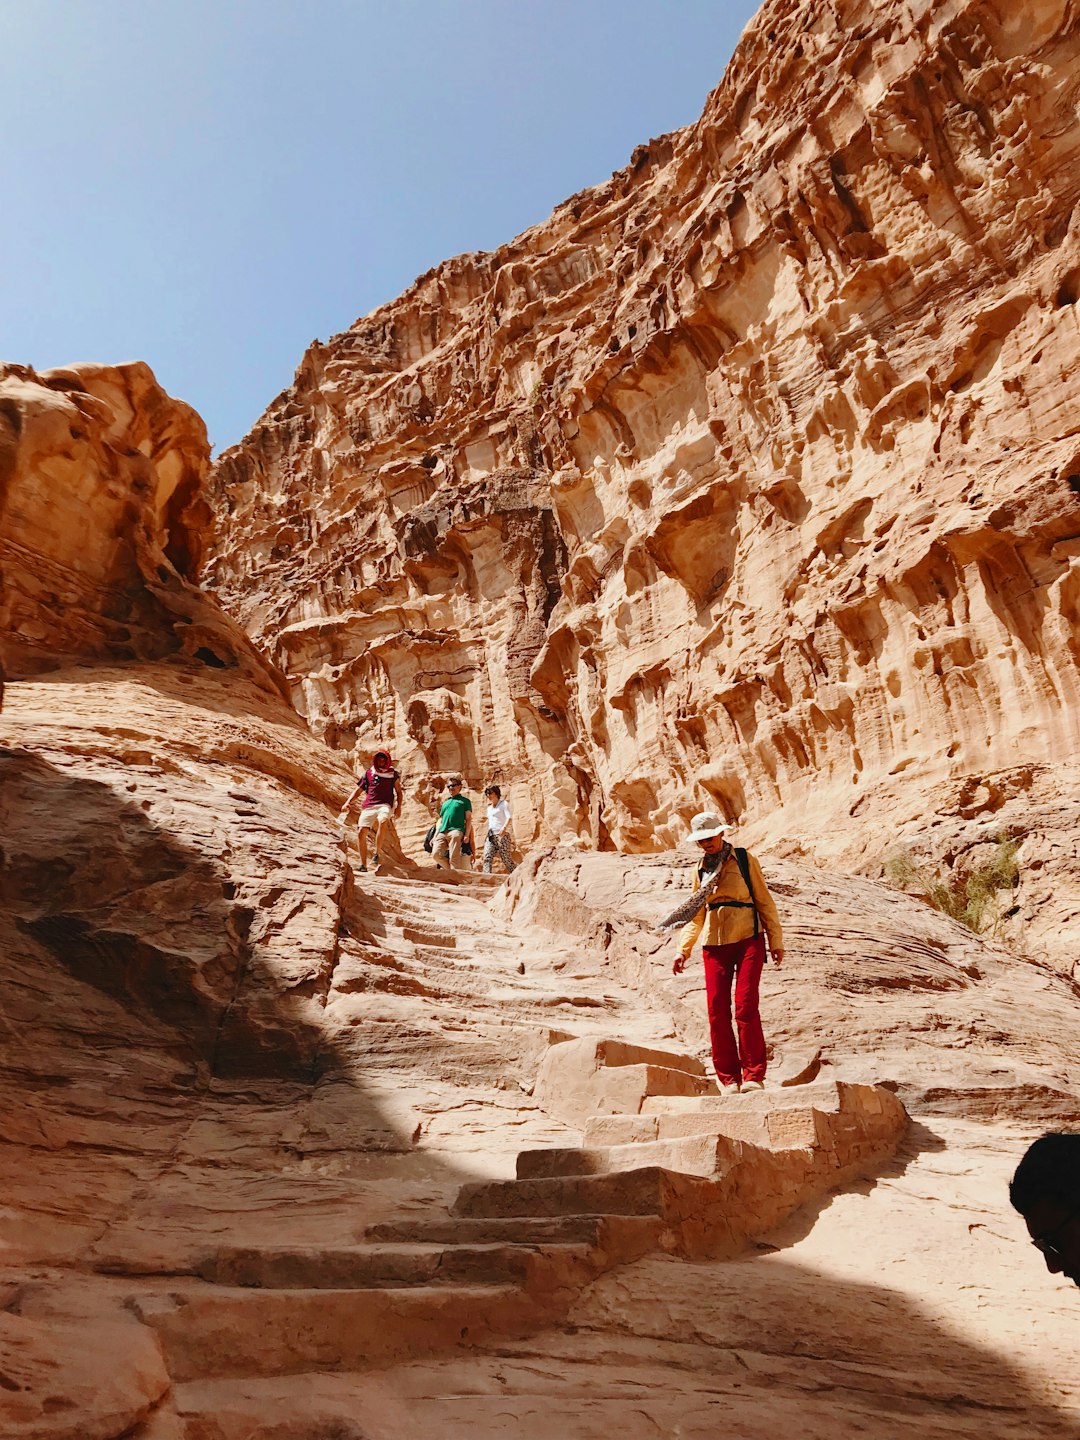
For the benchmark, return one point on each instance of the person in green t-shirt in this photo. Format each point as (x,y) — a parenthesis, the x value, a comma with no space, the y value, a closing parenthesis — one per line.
(455,826)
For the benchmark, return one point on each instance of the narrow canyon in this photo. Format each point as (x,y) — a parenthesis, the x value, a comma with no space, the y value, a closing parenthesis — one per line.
(747,482)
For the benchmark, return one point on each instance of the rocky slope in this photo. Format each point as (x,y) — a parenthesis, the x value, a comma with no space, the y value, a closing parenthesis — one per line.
(261,1116)
(750,477)
(241,1207)
(746,478)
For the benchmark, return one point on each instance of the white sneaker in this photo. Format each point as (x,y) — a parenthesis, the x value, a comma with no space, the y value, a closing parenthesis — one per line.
(753,1085)
(732,1089)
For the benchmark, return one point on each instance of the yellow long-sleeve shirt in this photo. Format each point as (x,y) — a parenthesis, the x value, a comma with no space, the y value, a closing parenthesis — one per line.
(727,924)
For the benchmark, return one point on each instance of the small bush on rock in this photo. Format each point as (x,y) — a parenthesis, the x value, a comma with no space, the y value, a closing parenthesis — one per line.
(970,896)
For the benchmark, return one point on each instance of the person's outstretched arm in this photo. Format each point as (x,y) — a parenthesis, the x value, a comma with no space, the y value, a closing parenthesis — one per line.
(343,813)
(688,935)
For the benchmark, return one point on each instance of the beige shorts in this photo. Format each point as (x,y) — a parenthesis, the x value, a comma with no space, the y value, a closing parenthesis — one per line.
(374,815)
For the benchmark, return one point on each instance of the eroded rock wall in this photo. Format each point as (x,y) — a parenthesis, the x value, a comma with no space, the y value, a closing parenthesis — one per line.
(748,478)
(230,1069)
(101,514)
(171,879)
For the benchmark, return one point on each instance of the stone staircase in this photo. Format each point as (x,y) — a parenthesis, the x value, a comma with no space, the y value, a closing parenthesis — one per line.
(695,1175)
(410,1289)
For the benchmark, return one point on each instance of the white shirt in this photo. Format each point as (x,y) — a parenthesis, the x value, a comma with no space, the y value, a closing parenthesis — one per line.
(498,817)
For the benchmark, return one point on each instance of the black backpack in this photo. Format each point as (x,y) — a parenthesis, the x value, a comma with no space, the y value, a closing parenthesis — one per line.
(743,862)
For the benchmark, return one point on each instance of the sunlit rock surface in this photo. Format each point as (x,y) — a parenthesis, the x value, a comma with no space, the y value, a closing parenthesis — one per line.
(749,477)
(101,510)
(698,492)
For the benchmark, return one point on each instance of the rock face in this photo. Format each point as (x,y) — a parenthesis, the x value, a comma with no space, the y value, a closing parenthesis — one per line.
(101,508)
(749,478)
(746,480)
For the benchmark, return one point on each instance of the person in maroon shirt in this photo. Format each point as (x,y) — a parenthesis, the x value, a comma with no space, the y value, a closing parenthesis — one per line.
(380,786)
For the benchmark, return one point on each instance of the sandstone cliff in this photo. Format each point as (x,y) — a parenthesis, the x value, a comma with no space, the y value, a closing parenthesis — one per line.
(260,1122)
(277,1141)
(101,511)
(749,478)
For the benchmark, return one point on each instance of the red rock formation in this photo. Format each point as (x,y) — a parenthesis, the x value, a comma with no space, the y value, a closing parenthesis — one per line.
(749,478)
(101,513)
(239,1093)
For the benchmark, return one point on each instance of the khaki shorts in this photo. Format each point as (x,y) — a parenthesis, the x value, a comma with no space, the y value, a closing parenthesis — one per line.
(374,815)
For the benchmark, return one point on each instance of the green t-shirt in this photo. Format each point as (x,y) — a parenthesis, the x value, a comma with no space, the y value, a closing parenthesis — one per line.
(452,813)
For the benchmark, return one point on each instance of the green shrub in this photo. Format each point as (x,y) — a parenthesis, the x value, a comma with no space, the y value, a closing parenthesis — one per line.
(970,897)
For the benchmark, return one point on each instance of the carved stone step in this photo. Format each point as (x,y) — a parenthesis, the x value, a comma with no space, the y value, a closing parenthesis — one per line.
(824,1094)
(589,1076)
(706,1154)
(633,1192)
(217,1331)
(382,1266)
(617,1236)
(428,935)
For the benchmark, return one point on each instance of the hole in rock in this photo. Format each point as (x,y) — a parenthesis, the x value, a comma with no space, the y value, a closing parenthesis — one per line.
(1057,231)
(209,658)
(1073,482)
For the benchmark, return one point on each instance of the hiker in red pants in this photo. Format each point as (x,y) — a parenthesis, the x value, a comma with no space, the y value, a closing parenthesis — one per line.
(733,902)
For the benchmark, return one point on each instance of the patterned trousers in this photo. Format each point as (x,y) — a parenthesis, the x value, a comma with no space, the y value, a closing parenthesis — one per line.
(498,845)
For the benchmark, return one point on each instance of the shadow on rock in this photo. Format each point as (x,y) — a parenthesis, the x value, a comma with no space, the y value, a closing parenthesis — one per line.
(789,1350)
(89,881)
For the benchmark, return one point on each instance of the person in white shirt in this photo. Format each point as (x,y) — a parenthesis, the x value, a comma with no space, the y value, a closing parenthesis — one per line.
(498,831)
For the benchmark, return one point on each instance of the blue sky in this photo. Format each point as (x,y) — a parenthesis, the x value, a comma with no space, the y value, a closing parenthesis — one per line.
(210,185)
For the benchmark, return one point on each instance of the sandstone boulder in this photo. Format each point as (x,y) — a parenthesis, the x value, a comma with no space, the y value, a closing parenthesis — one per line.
(581,1078)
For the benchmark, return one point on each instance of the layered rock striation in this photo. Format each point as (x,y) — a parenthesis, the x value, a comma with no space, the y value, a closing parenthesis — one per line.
(101,515)
(296,1147)
(749,478)
(746,479)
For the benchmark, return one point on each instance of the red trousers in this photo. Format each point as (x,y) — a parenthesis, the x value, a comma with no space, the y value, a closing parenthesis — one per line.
(742,962)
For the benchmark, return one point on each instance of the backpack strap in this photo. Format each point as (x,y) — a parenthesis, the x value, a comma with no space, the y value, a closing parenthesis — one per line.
(743,862)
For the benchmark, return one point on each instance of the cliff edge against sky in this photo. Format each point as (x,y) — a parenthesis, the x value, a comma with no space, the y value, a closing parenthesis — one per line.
(750,478)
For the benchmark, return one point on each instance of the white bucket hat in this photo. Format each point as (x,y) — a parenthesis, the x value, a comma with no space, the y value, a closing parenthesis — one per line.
(708,824)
